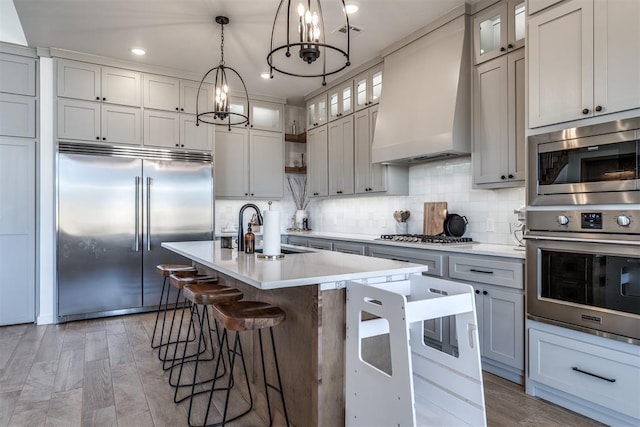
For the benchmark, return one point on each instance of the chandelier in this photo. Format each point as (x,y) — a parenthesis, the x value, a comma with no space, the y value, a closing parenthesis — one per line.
(302,34)
(224,113)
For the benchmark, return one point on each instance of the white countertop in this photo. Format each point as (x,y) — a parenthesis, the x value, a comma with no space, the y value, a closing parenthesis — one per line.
(313,267)
(466,248)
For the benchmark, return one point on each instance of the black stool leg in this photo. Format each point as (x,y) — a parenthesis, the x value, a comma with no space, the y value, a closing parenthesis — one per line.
(264,376)
(164,317)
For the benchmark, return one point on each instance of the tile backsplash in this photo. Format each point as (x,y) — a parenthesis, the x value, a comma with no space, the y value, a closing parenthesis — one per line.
(489,212)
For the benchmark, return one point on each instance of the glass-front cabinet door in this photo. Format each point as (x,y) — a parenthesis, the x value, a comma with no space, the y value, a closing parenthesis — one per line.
(368,87)
(341,100)
(499,29)
(267,115)
(317,111)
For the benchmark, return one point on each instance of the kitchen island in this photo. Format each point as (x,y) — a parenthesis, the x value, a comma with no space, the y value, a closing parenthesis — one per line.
(309,286)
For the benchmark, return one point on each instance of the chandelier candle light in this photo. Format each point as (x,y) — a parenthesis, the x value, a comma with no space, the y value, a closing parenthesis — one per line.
(312,44)
(222,114)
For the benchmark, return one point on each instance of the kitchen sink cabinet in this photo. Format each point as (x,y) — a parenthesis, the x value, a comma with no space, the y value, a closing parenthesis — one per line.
(374,177)
(249,163)
(93,121)
(340,156)
(584,60)
(317,162)
(92,82)
(499,122)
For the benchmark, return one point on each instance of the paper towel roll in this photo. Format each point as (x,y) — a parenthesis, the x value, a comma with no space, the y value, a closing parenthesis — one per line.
(271,233)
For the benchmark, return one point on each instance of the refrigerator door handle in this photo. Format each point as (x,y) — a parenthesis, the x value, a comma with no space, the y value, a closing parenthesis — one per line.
(148,214)
(137,216)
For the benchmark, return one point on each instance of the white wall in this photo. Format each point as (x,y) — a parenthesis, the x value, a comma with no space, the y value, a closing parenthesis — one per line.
(446,180)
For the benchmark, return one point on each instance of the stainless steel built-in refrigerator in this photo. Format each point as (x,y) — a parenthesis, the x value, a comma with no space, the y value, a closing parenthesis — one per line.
(116,205)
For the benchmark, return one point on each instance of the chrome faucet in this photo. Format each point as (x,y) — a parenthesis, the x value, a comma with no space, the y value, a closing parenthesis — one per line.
(240,227)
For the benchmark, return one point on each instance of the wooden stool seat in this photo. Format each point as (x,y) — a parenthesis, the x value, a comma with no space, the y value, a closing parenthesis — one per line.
(167,270)
(206,293)
(248,315)
(178,280)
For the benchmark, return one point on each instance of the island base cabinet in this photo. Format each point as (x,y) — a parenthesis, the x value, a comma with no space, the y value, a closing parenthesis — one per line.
(594,376)
(310,346)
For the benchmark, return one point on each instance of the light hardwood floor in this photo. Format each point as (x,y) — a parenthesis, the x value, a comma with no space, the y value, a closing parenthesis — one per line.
(103,372)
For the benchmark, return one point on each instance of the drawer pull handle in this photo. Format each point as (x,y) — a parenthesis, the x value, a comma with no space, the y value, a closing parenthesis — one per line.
(611,380)
(402,260)
(473,270)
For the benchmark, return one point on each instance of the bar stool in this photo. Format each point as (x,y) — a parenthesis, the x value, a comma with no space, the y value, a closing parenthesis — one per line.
(178,280)
(238,317)
(166,270)
(205,295)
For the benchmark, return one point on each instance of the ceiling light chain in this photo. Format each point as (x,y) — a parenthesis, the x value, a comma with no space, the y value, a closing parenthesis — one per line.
(222,114)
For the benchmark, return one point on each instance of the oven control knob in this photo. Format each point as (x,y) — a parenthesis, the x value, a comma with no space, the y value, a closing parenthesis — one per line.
(563,219)
(623,220)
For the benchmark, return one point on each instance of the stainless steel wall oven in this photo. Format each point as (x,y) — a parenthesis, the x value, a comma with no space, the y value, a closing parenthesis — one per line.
(583,229)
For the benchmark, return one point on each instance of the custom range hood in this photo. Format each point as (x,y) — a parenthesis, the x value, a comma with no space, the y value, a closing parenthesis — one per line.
(424,113)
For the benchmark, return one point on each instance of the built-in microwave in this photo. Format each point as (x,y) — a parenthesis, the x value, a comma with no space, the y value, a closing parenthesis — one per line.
(596,164)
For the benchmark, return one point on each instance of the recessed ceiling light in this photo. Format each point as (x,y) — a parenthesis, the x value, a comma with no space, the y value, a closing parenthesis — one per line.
(265,75)
(351,7)
(138,51)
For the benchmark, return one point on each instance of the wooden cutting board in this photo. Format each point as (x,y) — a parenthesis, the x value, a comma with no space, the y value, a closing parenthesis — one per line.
(434,215)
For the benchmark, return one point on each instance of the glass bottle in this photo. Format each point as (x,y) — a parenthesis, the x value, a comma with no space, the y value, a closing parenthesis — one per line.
(249,241)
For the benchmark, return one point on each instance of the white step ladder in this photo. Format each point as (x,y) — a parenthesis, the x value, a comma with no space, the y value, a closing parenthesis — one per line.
(423,386)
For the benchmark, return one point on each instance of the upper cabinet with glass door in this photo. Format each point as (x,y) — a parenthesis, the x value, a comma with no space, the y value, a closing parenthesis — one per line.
(237,105)
(368,87)
(266,115)
(341,100)
(317,111)
(498,29)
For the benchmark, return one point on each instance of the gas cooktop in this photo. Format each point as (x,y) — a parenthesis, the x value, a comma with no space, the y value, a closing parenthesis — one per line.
(423,238)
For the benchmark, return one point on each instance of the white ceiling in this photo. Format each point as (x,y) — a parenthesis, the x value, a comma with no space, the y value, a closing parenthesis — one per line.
(182,34)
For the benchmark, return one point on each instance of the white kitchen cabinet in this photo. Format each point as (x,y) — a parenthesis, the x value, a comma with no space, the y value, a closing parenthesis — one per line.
(374,177)
(340,100)
(18,74)
(340,154)
(172,94)
(17,115)
(317,162)
(499,29)
(317,113)
(368,87)
(17,230)
(499,122)
(499,289)
(92,121)
(249,164)
(176,130)
(266,164)
(91,82)
(591,375)
(267,115)
(584,60)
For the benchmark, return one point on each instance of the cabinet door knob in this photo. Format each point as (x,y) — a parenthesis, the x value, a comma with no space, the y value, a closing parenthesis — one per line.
(181,145)
(181,109)
(104,99)
(503,177)
(252,194)
(478,291)
(510,176)
(246,194)
(585,111)
(177,109)
(502,49)
(177,145)
(509,46)
(485,292)
(598,108)
(97,98)
(104,139)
